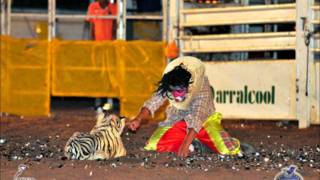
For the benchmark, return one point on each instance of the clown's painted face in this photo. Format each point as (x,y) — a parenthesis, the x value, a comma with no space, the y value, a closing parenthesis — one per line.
(178,93)
(175,83)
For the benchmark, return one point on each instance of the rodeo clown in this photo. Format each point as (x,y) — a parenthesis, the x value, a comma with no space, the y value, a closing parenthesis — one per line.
(191,117)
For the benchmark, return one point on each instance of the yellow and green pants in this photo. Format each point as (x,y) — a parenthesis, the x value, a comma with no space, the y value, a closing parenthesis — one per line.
(170,138)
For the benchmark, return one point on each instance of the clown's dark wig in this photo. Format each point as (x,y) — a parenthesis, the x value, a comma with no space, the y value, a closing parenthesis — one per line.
(179,76)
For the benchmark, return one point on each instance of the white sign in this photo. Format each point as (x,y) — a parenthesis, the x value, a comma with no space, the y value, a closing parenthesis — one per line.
(254,89)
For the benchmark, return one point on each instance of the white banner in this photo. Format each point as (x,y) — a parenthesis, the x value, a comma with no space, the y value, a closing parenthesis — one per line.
(254,89)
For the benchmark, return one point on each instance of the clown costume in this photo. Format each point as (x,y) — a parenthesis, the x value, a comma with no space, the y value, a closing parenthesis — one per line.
(190,117)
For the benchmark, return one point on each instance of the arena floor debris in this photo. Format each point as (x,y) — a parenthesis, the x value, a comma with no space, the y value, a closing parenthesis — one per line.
(38,143)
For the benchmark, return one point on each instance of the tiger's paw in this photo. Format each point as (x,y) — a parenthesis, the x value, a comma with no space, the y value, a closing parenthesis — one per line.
(100,155)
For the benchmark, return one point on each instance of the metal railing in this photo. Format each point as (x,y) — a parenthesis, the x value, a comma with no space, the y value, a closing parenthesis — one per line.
(52,16)
(303,39)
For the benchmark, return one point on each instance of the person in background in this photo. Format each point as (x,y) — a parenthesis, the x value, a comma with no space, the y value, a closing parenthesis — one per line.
(191,122)
(102,28)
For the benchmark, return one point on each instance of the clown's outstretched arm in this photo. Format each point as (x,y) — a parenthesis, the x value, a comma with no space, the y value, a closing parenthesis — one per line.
(147,111)
(134,124)
(200,109)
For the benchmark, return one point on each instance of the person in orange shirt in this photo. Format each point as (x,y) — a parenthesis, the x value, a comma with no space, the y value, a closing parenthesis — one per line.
(102,28)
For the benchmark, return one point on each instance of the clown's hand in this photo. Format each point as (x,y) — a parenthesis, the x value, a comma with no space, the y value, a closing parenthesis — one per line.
(183,151)
(133,124)
(184,148)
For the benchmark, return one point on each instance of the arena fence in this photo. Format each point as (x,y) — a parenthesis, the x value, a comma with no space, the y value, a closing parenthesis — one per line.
(257,89)
(34,70)
(25,77)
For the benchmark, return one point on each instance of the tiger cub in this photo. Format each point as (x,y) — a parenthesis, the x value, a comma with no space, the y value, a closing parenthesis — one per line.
(103,142)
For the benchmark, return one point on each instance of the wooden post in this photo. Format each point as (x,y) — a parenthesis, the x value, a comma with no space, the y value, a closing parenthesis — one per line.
(275,29)
(164,20)
(179,32)
(303,114)
(244,29)
(50,23)
(173,20)
(8,28)
(3,15)
(51,19)
(124,19)
(120,20)
(54,22)
(312,101)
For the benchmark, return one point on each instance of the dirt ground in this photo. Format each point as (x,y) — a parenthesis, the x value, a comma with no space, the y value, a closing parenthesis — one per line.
(38,143)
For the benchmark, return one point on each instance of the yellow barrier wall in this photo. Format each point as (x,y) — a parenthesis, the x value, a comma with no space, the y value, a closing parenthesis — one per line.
(84,68)
(24,77)
(127,70)
(142,63)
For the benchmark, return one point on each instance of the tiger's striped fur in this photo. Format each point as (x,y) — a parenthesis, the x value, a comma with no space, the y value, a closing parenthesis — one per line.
(103,142)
